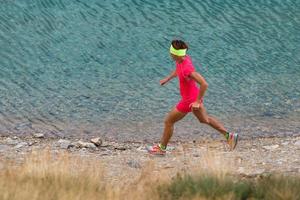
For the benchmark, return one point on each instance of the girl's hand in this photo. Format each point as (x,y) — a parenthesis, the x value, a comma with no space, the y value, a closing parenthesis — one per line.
(196,105)
(164,81)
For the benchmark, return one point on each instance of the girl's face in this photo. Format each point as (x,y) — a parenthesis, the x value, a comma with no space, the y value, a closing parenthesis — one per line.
(177,58)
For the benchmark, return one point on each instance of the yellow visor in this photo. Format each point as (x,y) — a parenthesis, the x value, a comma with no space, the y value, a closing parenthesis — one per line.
(177,52)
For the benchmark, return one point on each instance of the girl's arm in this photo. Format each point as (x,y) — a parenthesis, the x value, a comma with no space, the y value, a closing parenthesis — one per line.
(168,78)
(201,81)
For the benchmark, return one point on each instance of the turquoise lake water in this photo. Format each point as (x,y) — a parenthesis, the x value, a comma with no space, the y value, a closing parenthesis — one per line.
(85,68)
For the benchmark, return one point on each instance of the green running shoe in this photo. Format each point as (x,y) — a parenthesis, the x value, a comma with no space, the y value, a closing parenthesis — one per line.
(156,150)
(233,140)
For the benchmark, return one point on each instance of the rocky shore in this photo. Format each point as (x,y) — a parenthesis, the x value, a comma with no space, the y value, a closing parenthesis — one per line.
(127,161)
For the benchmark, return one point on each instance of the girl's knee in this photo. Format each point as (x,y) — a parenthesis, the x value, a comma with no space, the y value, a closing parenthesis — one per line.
(202,119)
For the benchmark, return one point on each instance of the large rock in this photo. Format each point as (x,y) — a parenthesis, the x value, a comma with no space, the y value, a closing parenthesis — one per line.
(64,144)
(82,144)
(97,141)
(90,145)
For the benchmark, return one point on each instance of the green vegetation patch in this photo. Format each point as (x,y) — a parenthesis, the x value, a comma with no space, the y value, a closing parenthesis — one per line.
(213,187)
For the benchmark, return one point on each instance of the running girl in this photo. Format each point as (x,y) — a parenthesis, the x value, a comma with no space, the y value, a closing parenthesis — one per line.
(191,99)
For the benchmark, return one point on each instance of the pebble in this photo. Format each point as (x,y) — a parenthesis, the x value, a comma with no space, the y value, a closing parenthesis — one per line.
(170,148)
(271,147)
(297,143)
(168,166)
(259,171)
(255,159)
(239,160)
(285,143)
(142,148)
(120,148)
(11,141)
(241,170)
(251,174)
(134,164)
(32,143)
(20,145)
(39,135)
(105,144)
(82,151)
(106,153)
(97,141)
(3,147)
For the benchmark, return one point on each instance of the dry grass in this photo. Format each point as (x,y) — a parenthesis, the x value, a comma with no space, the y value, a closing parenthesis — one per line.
(54,176)
(48,176)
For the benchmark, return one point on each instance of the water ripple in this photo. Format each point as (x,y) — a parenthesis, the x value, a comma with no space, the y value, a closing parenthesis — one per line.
(78,67)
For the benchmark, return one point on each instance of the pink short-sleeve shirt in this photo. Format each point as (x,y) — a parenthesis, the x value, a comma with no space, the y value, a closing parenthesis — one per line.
(188,87)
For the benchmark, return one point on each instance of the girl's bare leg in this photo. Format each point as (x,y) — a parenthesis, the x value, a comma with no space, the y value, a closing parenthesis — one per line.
(206,119)
(170,120)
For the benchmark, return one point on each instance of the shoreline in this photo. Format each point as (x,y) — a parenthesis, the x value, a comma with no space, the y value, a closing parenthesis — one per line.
(252,157)
(151,129)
